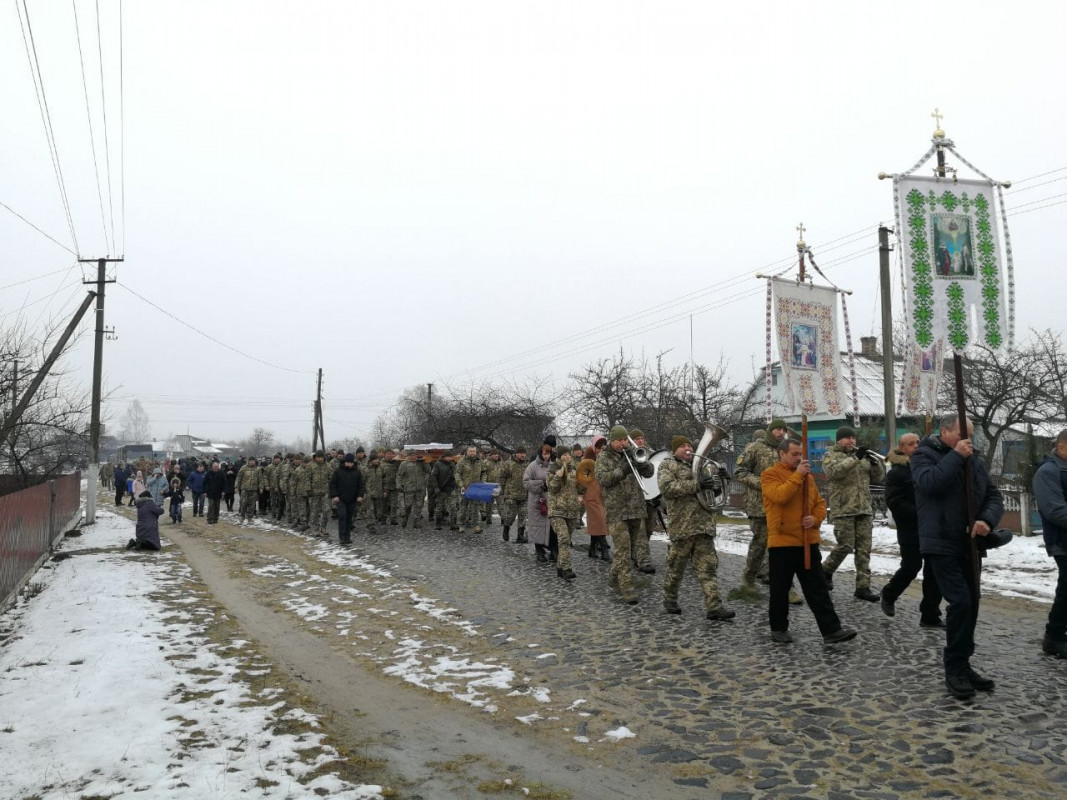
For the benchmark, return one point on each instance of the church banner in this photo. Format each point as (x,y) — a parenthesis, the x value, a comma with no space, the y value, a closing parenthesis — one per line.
(805,319)
(922,373)
(952,263)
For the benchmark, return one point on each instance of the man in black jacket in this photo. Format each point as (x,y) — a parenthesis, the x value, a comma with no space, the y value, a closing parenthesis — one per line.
(214,484)
(937,468)
(347,492)
(900,497)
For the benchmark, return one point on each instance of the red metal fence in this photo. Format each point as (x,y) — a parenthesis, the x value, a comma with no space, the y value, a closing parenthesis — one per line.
(30,522)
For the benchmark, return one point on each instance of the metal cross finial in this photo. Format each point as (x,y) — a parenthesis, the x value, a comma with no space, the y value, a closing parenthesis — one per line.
(938,116)
(800,242)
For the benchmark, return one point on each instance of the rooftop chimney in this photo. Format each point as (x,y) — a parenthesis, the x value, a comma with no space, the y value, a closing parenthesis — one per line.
(869,347)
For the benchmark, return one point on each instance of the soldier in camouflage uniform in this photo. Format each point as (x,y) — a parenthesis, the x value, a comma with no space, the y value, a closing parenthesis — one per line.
(468,471)
(374,490)
(284,469)
(563,508)
(274,477)
(249,483)
(491,474)
(443,481)
(361,465)
(301,481)
(513,495)
(640,554)
(624,505)
(692,531)
(389,467)
(851,473)
(409,488)
(318,483)
(296,476)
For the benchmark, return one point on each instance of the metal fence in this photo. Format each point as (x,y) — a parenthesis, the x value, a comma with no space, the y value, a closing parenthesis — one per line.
(30,523)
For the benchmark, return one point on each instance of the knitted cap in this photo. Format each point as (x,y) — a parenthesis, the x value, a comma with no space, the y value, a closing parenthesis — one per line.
(778,422)
(844,432)
(618,432)
(550,440)
(678,441)
(636,433)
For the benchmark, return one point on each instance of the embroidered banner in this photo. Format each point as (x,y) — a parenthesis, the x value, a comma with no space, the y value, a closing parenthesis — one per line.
(952,268)
(806,326)
(922,373)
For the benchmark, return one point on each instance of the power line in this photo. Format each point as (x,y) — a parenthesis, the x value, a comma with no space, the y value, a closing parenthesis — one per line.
(1013,191)
(1040,175)
(212,338)
(89,118)
(46,115)
(1042,200)
(45,235)
(39,300)
(35,278)
(1037,208)
(103,106)
(122,133)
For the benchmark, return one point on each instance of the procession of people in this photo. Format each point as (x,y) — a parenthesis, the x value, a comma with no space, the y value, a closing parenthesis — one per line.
(604,487)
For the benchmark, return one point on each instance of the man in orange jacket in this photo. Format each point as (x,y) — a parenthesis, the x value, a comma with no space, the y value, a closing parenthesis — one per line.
(795,510)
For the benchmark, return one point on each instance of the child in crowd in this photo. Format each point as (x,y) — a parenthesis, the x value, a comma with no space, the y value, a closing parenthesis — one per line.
(147,531)
(177,497)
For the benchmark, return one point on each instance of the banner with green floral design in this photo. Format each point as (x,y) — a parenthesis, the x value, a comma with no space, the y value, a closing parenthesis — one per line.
(952,263)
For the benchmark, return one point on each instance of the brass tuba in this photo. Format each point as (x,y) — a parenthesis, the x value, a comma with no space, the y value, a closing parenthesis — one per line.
(711,500)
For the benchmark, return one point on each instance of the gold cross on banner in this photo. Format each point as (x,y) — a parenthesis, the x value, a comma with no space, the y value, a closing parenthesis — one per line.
(938,116)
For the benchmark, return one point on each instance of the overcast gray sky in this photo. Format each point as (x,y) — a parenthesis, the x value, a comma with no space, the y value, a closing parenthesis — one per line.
(407,192)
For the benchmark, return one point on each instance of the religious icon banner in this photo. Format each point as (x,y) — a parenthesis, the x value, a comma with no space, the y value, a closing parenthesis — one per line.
(805,319)
(952,263)
(922,373)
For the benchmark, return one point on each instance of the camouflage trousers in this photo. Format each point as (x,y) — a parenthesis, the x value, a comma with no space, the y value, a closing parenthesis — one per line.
(445,509)
(410,503)
(431,501)
(297,508)
(639,549)
(621,532)
(318,512)
(852,534)
(248,505)
(513,512)
(488,509)
(387,507)
(470,513)
(700,551)
(756,563)
(277,503)
(564,530)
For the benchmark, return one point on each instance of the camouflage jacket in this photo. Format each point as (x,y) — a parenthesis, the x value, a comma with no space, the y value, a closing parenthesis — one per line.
(283,476)
(563,491)
(274,474)
(510,480)
(755,458)
(409,477)
(623,497)
(318,478)
(389,469)
(491,470)
(468,471)
(850,479)
(298,481)
(679,489)
(249,479)
(374,481)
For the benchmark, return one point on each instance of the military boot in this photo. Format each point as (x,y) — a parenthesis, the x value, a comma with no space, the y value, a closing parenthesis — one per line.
(542,556)
(593,549)
(507,533)
(521,538)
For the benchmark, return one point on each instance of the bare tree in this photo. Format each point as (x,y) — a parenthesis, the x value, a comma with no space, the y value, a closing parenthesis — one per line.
(136,427)
(258,443)
(1051,361)
(605,393)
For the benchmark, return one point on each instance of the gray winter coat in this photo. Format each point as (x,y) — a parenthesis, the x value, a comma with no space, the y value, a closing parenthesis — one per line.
(148,513)
(534,479)
(157,483)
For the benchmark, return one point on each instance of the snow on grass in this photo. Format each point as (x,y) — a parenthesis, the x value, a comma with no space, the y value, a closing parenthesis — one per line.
(108,692)
(619,734)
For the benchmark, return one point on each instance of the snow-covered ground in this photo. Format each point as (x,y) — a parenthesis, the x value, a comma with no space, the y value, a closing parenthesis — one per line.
(111,687)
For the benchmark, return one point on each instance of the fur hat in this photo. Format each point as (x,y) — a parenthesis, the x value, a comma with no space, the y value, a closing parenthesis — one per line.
(550,440)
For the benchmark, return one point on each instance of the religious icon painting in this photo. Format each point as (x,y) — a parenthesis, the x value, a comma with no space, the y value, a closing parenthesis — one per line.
(805,340)
(953,254)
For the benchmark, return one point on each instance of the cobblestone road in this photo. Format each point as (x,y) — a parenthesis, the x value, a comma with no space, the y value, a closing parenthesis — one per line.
(713,705)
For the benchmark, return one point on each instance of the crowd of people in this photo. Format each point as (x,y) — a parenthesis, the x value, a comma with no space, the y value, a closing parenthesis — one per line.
(943,529)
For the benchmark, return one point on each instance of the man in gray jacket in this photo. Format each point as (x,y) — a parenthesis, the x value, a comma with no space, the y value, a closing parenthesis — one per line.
(1050,489)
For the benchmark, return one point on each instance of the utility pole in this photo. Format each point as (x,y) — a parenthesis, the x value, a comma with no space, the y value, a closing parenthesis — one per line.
(889,389)
(316,425)
(93,471)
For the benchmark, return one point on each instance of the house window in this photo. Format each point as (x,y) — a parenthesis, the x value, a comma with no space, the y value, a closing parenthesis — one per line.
(774,379)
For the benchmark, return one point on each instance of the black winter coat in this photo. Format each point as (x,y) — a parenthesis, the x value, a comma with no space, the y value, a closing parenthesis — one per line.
(941,498)
(230,482)
(900,494)
(443,475)
(215,484)
(347,484)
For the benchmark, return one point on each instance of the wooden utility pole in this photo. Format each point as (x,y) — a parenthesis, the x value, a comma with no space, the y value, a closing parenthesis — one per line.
(93,472)
(889,390)
(317,433)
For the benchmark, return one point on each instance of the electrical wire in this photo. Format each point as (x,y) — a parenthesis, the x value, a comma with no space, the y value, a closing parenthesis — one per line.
(210,337)
(35,278)
(89,118)
(1042,200)
(39,300)
(1037,208)
(103,106)
(46,115)
(45,235)
(1013,191)
(122,134)
(1040,175)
